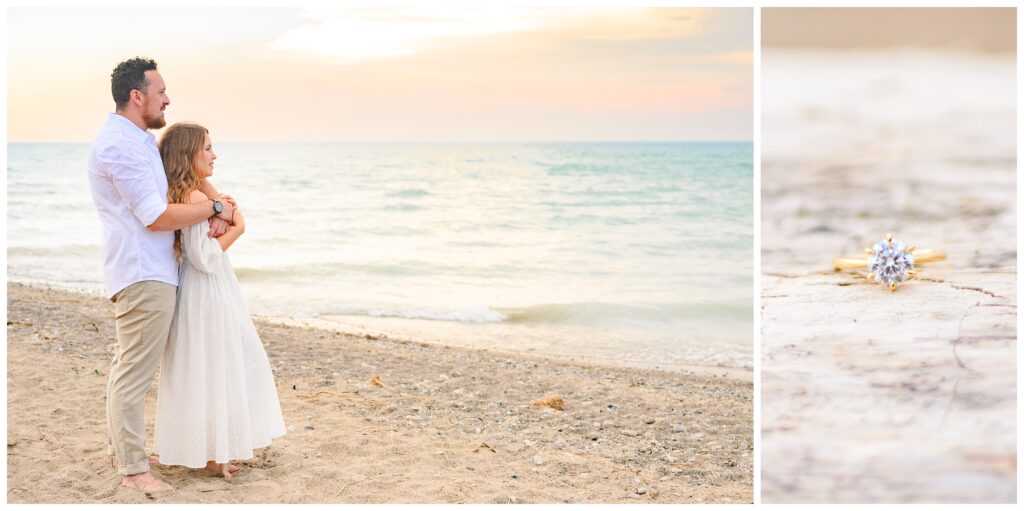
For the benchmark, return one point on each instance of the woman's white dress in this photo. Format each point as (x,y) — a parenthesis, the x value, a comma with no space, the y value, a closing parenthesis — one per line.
(217,399)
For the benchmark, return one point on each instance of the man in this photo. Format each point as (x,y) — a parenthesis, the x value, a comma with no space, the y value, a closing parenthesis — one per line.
(129,190)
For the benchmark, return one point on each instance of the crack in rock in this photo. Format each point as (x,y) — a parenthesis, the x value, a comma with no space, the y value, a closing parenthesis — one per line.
(781,275)
(978,289)
(965,288)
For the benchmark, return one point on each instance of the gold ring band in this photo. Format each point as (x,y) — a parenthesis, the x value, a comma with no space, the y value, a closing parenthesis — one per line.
(921,255)
(889,262)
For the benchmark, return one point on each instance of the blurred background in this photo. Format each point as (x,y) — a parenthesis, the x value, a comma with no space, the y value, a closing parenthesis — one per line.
(989,30)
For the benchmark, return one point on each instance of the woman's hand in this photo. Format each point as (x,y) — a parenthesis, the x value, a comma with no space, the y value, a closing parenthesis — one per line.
(229,199)
(234,205)
(218,226)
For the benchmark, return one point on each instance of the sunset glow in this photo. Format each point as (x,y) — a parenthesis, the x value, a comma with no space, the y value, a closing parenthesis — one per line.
(394,74)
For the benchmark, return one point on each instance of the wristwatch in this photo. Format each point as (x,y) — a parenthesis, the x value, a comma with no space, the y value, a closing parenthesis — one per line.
(217,207)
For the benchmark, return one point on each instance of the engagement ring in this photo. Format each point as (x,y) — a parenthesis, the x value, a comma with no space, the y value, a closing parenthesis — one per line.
(890,262)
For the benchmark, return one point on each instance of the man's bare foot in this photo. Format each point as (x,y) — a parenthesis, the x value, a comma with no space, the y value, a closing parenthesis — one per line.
(222,469)
(145,482)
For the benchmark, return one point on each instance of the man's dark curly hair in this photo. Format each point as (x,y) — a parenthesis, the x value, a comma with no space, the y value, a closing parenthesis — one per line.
(128,75)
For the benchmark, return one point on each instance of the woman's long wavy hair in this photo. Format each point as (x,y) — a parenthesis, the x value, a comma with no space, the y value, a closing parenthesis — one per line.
(180,146)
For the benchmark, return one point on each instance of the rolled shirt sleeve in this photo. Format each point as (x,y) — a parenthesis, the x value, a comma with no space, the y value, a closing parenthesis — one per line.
(133,178)
(129,189)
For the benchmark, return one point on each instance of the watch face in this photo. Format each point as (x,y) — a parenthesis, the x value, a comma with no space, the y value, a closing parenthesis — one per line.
(217,206)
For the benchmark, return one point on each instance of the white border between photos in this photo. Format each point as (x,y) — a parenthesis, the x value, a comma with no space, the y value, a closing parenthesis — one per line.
(757,255)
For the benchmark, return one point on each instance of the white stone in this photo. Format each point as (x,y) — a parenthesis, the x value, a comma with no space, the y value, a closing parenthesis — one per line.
(891,263)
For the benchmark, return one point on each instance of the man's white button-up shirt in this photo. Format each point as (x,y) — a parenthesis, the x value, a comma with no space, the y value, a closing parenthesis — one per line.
(129,189)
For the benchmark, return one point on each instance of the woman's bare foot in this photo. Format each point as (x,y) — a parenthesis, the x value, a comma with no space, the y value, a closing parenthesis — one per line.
(145,482)
(222,469)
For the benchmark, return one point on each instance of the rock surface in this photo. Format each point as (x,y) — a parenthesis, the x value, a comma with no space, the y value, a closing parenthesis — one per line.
(868,395)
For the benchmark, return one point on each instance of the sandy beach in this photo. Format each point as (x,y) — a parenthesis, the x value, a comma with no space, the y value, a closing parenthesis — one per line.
(378,420)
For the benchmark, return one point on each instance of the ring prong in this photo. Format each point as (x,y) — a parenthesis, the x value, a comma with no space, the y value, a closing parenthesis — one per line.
(871,276)
(912,274)
(868,251)
(892,287)
(888,237)
(910,249)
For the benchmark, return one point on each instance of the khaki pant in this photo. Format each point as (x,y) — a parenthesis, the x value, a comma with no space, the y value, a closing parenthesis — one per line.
(142,319)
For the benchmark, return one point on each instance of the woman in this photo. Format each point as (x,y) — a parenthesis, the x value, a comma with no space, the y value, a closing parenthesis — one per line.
(217,399)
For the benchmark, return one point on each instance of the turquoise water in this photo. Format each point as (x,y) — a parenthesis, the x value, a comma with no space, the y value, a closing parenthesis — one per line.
(632,253)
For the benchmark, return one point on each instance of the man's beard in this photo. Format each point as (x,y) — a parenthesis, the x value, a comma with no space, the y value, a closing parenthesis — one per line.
(155,123)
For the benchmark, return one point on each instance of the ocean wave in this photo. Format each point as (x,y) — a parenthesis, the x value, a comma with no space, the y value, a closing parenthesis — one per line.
(603,313)
(402,207)
(566,169)
(320,270)
(70,250)
(409,193)
(248,274)
(585,314)
(468,314)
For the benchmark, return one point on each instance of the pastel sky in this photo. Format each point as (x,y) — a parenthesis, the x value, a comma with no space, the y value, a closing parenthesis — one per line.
(393,74)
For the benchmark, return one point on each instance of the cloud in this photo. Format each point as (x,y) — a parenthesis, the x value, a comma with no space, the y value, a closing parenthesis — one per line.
(364,34)
(402,73)
(355,35)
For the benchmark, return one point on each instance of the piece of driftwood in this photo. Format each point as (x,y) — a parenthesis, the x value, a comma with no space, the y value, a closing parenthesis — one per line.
(869,395)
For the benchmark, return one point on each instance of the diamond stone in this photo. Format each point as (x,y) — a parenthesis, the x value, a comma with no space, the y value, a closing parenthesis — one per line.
(891,262)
